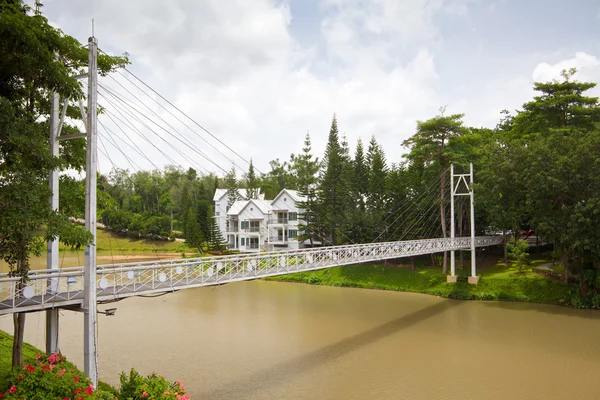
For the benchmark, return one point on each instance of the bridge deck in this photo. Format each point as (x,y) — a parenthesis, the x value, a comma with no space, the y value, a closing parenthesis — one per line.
(64,288)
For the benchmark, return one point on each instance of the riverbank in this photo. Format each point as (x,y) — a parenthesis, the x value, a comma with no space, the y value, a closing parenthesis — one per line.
(29,357)
(497,282)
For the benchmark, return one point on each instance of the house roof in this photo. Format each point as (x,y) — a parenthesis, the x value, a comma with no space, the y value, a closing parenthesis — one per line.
(220,193)
(294,195)
(236,208)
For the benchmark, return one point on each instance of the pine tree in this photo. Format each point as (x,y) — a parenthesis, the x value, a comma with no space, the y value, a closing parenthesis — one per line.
(216,241)
(306,168)
(376,198)
(251,183)
(360,179)
(331,189)
(193,231)
(231,183)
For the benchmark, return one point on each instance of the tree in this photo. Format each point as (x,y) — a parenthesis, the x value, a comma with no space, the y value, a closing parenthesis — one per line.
(429,144)
(306,168)
(193,231)
(376,184)
(251,183)
(231,183)
(36,59)
(216,241)
(360,180)
(518,251)
(332,189)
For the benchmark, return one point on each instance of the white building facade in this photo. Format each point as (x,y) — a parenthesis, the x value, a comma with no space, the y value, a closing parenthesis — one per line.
(283,225)
(260,225)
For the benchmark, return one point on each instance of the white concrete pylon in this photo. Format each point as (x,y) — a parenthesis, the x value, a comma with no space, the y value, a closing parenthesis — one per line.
(90,328)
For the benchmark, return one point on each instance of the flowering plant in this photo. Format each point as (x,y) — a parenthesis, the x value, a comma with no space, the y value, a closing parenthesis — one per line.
(153,387)
(54,377)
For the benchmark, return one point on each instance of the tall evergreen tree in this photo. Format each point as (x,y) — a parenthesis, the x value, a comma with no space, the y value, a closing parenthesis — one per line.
(360,179)
(231,183)
(376,199)
(193,231)
(331,189)
(252,184)
(306,168)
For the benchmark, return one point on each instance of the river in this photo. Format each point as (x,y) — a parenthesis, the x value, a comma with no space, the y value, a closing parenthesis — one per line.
(273,340)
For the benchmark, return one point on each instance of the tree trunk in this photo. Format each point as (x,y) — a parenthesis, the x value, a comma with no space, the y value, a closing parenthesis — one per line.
(443,214)
(19,329)
(505,248)
(412,263)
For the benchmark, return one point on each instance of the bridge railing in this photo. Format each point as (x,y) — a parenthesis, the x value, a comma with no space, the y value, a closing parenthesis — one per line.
(116,281)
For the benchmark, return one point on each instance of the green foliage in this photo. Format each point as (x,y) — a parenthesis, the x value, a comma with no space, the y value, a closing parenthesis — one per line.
(518,250)
(51,377)
(333,190)
(137,387)
(193,232)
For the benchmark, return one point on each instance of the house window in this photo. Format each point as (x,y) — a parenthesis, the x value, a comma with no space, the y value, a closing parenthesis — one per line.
(253,243)
(282,217)
(292,234)
(217,213)
(244,224)
(292,216)
(254,226)
(243,241)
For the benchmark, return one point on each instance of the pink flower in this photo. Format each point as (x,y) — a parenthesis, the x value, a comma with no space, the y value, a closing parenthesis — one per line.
(166,393)
(89,390)
(13,389)
(45,368)
(30,368)
(76,378)
(144,394)
(53,358)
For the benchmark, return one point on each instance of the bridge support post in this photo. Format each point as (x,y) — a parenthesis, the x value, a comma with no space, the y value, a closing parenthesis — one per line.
(90,327)
(52,256)
(452,277)
(473,279)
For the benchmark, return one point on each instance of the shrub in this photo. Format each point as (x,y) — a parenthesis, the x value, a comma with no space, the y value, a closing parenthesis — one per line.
(137,387)
(51,377)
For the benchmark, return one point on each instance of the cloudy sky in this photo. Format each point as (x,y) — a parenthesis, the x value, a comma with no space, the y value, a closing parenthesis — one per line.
(260,73)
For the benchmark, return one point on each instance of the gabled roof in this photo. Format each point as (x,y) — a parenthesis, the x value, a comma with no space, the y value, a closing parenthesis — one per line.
(236,208)
(294,195)
(220,193)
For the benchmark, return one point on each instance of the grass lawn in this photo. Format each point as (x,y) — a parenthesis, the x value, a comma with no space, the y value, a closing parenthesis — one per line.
(106,240)
(6,342)
(498,282)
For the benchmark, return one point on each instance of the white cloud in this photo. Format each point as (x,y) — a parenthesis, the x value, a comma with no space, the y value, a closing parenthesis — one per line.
(237,68)
(588,68)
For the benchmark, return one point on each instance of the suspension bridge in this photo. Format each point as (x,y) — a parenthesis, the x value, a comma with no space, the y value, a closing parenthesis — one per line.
(64,288)
(83,288)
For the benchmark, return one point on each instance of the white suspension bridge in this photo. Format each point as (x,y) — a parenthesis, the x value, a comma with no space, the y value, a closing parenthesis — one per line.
(64,287)
(83,288)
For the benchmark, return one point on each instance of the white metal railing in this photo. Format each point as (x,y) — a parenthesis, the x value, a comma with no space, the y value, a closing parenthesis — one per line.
(47,289)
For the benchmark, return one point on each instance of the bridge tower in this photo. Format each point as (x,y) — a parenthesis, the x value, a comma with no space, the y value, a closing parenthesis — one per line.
(460,187)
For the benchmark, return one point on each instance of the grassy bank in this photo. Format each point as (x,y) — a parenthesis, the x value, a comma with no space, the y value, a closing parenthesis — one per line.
(498,282)
(29,357)
(107,240)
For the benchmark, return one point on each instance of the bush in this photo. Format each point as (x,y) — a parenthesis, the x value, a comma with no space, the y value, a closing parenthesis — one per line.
(52,377)
(137,387)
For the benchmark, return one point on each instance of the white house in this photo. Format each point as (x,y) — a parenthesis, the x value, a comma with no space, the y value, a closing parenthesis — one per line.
(246,227)
(283,221)
(221,207)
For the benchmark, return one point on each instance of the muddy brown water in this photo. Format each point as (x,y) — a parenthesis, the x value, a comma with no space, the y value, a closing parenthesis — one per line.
(272,340)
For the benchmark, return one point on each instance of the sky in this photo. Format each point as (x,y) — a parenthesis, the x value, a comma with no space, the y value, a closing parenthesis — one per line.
(260,74)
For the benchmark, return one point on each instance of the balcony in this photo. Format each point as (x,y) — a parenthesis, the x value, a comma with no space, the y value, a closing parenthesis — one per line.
(278,221)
